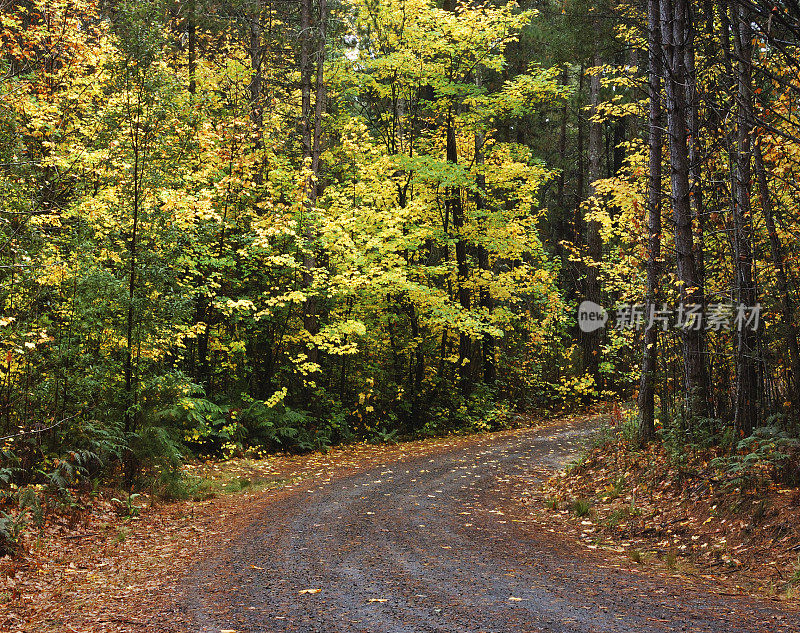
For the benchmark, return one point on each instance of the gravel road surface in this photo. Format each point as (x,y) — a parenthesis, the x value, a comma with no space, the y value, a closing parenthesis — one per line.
(422,544)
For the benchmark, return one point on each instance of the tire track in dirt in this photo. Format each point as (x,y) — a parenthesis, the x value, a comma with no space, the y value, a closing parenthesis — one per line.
(419,545)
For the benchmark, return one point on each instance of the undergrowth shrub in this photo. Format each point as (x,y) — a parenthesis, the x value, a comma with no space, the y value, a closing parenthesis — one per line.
(208,428)
(160,454)
(482,411)
(770,453)
(11,527)
(382,436)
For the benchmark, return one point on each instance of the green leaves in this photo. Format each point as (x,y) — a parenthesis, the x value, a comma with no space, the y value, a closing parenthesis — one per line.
(436,172)
(167,278)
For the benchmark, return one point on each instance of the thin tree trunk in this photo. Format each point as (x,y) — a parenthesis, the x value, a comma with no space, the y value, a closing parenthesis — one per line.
(130,418)
(485,298)
(580,185)
(787,304)
(562,152)
(747,383)
(306,74)
(674,15)
(191,33)
(696,186)
(320,95)
(655,140)
(130,422)
(312,147)
(202,369)
(462,266)
(591,340)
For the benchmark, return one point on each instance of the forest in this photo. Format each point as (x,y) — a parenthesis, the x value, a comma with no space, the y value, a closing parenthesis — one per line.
(234,227)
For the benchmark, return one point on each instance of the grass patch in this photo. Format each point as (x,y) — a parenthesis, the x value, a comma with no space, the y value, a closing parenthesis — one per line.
(581,507)
(552,503)
(233,476)
(795,579)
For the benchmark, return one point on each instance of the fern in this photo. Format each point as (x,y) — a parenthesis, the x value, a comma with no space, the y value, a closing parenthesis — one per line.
(11,528)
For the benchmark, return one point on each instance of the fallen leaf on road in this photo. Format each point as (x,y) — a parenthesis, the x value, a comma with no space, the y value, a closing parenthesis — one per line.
(514,599)
(378,600)
(310,590)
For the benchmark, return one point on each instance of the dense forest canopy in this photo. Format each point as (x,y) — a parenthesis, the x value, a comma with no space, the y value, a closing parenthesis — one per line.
(264,224)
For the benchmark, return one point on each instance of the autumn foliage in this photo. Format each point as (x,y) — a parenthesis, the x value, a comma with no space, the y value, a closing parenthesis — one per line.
(236,227)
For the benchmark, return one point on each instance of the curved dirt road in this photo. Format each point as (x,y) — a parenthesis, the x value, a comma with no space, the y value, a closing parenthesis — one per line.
(418,545)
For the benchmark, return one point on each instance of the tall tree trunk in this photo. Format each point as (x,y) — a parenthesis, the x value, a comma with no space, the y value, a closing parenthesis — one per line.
(130,418)
(655,140)
(130,415)
(320,95)
(787,303)
(462,265)
(591,340)
(191,35)
(485,298)
(696,187)
(256,88)
(200,369)
(674,16)
(306,79)
(562,153)
(580,184)
(748,390)
(312,147)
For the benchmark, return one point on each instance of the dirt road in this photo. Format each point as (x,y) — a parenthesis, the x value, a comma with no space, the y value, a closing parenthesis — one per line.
(421,545)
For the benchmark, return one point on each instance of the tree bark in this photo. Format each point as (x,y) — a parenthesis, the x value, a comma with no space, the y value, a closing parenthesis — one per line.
(456,209)
(655,140)
(462,265)
(581,176)
(485,297)
(591,340)
(787,303)
(674,16)
(138,145)
(191,34)
(748,389)
(312,145)
(696,196)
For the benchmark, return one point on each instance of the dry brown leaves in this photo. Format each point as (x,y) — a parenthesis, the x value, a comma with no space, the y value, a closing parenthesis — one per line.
(679,520)
(99,572)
